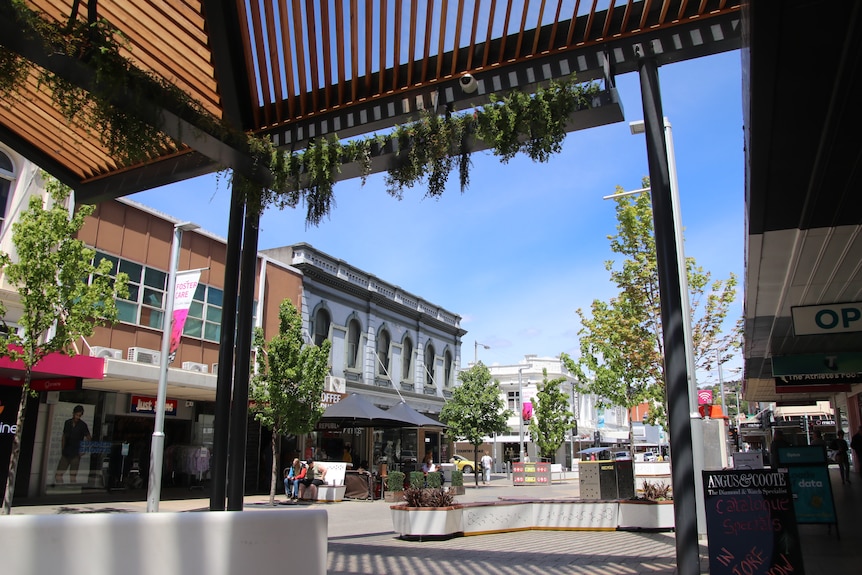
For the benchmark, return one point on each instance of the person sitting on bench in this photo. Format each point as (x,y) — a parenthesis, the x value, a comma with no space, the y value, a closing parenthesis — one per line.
(314,476)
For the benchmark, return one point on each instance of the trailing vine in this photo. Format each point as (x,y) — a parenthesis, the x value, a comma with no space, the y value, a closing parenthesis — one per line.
(128,137)
(13,72)
(427,149)
(532,124)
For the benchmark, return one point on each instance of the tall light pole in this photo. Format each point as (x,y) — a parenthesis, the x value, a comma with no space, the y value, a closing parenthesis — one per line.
(521,412)
(476,345)
(157,447)
(682,271)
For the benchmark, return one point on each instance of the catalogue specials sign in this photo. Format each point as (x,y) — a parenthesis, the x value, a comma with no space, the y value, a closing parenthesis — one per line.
(751,524)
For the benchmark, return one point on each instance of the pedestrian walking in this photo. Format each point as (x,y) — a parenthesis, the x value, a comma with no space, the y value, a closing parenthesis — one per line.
(856,446)
(487,461)
(842,456)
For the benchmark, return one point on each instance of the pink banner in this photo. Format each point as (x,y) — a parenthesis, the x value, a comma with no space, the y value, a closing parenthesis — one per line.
(528,411)
(187,284)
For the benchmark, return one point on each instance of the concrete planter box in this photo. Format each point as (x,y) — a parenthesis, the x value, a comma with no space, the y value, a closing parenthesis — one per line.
(643,515)
(518,515)
(393,496)
(456,489)
(421,522)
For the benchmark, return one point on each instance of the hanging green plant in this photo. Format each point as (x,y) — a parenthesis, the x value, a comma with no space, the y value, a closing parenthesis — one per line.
(131,134)
(532,124)
(359,152)
(426,151)
(13,72)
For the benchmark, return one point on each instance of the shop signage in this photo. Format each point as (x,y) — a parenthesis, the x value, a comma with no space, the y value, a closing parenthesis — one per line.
(331,398)
(824,366)
(147,405)
(831,318)
(531,473)
(809,481)
(45,384)
(750,521)
(804,384)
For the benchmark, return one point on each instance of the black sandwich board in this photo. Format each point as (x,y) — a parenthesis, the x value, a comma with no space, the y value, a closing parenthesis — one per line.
(750,523)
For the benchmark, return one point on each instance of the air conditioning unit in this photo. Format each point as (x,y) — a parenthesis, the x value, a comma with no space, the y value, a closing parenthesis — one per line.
(194,366)
(215,368)
(334,384)
(144,355)
(106,352)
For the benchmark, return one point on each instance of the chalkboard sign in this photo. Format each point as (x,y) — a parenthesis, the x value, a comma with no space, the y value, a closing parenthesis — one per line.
(750,523)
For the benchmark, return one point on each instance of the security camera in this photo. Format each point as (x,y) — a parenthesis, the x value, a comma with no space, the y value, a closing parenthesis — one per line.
(468,83)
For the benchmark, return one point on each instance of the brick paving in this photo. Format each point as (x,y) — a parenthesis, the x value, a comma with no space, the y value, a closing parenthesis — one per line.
(361,539)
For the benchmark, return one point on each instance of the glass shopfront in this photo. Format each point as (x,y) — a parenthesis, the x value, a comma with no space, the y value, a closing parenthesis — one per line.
(114,433)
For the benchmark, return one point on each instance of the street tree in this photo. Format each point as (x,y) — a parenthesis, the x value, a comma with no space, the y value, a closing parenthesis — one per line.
(621,348)
(552,417)
(287,387)
(61,294)
(476,409)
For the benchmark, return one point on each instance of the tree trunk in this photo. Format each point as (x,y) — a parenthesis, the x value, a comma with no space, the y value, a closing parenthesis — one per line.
(476,462)
(274,443)
(16,445)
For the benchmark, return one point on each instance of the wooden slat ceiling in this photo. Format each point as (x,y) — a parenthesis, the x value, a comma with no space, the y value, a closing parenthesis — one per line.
(259,66)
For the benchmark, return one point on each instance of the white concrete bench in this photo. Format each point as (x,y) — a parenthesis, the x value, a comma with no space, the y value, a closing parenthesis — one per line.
(198,543)
(333,490)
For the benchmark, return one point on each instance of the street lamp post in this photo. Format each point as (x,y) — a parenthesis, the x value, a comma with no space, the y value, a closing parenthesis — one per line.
(521,412)
(694,415)
(476,345)
(157,448)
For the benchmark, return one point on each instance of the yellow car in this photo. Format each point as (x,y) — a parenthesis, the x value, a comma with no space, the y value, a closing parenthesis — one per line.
(463,464)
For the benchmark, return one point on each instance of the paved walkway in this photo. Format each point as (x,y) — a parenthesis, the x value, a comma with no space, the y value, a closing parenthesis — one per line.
(361,540)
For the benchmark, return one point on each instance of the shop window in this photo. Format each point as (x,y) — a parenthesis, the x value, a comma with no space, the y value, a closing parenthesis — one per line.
(145,304)
(205,313)
(447,366)
(383,341)
(429,365)
(321,326)
(353,334)
(407,359)
(512,401)
(7,175)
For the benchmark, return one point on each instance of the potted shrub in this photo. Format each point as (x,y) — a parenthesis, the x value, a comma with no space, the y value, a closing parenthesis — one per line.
(394,487)
(457,487)
(651,512)
(427,512)
(417,479)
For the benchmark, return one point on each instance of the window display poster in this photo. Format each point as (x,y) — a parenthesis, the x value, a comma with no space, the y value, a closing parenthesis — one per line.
(63,412)
(750,522)
(10,397)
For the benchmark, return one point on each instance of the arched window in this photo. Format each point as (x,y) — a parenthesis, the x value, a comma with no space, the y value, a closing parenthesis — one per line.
(407,359)
(447,365)
(7,174)
(354,330)
(321,326)
(429,365)
(383,341)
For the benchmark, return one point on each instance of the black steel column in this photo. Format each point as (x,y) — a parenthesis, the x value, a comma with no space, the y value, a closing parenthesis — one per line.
(224,380)
(675,371)
(245,324)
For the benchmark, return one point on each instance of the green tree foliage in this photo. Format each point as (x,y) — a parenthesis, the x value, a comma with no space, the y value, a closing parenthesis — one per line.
(621,346)
(61,293)
(476,409)
(288,386)
(552,417)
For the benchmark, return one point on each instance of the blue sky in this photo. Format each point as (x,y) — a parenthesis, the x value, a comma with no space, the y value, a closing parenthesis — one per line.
(525,245)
